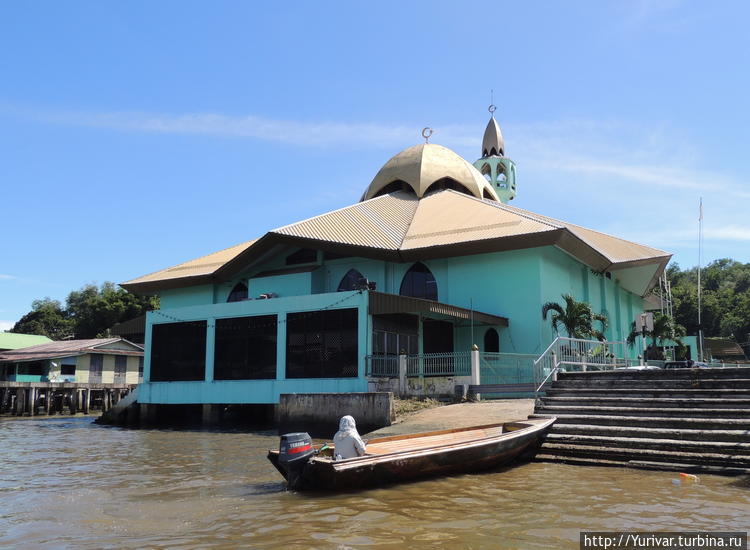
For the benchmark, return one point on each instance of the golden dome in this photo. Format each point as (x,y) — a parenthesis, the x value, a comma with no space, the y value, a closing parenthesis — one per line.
(429,167)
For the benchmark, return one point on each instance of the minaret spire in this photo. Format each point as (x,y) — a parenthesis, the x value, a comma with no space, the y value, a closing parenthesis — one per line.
(499,170)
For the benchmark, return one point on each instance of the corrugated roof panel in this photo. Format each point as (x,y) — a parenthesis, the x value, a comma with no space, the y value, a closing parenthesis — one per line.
(205,265)
(614,248)
(381,223)
(448,217)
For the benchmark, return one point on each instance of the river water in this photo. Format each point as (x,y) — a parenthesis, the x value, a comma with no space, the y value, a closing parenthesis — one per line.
(68,483)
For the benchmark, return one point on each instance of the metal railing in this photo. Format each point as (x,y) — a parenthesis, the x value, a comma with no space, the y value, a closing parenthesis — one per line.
(382,366)
(506,368)
(578,354)
(421,364)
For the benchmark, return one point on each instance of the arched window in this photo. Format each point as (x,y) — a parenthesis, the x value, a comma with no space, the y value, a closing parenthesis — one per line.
(447,183)
(491,341)
(239,293)
(353,280)
(419,283)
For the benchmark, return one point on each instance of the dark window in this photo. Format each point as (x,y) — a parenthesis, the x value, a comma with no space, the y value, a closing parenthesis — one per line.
(322,344)
(491,341)
(395,186)
(239,293)
(178,351)
(67,369)
(140,368)
(448,183)
(32,368)
(121,368)
(302,256)
(353,280)
(419,283)
(96,365)
(245,348)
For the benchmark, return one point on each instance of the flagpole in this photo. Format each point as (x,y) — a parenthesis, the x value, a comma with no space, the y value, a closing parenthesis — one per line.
(700,253)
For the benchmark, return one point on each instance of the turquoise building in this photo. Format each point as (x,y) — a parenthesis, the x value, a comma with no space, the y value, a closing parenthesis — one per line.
(432,260)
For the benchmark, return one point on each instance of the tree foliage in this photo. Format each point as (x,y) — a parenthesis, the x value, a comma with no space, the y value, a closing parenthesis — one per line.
(88,312)
(725,301)
(577,318)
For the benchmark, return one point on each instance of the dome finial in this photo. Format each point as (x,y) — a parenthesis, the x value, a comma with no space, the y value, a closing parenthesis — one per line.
(427,133)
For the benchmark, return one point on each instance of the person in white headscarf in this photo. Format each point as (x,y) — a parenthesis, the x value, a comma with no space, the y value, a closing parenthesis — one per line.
(347,442)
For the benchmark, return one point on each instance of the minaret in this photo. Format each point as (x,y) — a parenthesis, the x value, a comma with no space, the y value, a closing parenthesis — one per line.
(494,165)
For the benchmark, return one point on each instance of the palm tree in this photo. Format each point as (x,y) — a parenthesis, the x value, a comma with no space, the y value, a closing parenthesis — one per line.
(665,328)
(576,317)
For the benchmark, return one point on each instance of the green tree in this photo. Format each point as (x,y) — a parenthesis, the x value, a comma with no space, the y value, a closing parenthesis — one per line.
(88,312)
(94,310)
(577,318)
(46,318)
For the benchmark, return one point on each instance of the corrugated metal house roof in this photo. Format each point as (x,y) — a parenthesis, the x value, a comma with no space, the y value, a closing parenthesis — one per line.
(11,340)
(67,348)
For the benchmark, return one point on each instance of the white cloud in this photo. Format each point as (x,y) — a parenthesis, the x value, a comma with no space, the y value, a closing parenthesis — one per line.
(6,325)
(6,277)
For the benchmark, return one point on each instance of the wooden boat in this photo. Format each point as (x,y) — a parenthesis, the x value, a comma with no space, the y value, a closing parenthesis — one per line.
(406,457)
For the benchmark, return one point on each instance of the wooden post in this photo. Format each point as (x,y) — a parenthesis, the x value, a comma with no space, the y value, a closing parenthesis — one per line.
(87,401)
(32,401)
(48,399)
(19,401)
(73,402)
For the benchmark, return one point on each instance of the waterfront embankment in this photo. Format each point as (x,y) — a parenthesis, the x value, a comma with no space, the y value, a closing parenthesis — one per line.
(460,415)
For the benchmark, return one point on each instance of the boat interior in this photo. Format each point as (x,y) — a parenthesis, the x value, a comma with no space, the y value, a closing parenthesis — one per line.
(426,440)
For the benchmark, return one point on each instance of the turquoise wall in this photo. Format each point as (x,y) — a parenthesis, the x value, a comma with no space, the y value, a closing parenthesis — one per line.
(253,391)
(512,284)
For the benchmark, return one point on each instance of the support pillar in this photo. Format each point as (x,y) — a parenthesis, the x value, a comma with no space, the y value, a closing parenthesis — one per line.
(402,387)
(146,414)
(32,401)
(210,414)
(475,366)
(19,401)
(87,401)
(47,399)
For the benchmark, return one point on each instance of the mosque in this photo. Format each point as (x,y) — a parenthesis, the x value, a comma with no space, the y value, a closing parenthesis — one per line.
(432,260)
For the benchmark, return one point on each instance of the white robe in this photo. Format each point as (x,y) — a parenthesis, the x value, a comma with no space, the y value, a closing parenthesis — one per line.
(347,442)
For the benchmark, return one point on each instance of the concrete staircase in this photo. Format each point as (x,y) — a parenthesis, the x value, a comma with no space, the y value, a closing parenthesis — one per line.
(691,420)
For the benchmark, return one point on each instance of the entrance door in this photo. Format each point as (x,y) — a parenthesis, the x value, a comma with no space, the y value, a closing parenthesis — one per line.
(437,336)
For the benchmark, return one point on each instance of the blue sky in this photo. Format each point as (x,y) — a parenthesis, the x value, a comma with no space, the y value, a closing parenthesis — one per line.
(137,135)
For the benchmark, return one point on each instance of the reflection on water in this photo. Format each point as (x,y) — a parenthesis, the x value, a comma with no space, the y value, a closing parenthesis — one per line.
(70,483)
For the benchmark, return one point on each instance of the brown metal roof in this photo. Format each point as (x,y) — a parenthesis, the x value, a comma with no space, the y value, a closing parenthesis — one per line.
(382,303)
(401,227)
(67,348)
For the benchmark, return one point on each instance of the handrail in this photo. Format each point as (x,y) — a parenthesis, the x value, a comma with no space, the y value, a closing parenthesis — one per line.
(553,371)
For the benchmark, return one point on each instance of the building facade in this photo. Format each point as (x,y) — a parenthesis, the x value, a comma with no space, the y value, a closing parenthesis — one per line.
(430,262)
(93,361)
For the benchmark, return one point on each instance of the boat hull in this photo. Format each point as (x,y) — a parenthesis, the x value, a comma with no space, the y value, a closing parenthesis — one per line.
(454,457)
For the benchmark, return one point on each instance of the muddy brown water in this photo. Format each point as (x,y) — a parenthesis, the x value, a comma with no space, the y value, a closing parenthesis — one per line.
(68,483)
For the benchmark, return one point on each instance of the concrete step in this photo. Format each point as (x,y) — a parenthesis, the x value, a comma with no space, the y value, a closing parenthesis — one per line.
(635,393)
(722,435)
(664,402)
(677,383)
(665,412)
(650,421)
(644,465)
(657,374)
(651,455)
(657,444)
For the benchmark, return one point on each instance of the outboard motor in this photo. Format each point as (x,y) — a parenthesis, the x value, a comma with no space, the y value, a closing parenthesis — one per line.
(295,450)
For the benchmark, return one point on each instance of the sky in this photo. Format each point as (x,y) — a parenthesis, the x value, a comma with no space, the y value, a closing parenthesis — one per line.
(138,135)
